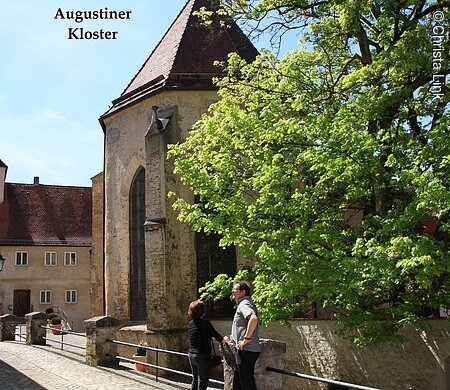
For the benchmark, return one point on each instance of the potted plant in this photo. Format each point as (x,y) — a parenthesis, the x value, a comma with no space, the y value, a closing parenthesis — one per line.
(56,325)
(141,356)
(50,316)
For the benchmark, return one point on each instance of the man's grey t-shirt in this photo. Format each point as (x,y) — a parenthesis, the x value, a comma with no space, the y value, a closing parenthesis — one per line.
(245,308)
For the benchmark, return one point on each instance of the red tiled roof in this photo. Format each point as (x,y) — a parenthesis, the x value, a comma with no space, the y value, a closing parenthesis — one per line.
(46,215)
(185,56)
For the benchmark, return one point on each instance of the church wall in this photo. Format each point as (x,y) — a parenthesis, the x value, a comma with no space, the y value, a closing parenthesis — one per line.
(124,154)
(96,266)
(170,247)
(180,244)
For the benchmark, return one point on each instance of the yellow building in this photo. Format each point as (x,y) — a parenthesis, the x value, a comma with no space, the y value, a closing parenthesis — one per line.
(45,236)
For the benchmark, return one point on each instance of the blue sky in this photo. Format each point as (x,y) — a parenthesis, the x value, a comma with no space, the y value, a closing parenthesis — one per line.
(53,90)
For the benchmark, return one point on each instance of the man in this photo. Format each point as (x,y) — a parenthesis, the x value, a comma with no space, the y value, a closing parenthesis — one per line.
(245,336)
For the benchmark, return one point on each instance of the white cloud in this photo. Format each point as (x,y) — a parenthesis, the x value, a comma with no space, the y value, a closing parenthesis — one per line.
(48,115)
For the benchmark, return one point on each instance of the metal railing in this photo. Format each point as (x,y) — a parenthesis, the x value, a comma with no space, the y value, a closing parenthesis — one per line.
(64,318)
(62,332)
(156,366)
(319,379)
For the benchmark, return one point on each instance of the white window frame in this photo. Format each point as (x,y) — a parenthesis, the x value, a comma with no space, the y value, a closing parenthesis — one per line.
(71,296)
(70,259)
(47,295)
(50,259)
(21,263)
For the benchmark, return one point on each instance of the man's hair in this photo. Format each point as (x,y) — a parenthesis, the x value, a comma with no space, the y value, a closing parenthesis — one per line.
(197,309)
(245,286)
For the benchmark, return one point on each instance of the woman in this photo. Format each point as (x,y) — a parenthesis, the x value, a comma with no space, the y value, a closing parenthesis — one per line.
(201,332)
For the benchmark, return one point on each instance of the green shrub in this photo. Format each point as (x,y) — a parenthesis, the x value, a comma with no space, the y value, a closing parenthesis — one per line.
(55,321)
(51,316)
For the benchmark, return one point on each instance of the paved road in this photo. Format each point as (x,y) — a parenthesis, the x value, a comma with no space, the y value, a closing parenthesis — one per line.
(42,367)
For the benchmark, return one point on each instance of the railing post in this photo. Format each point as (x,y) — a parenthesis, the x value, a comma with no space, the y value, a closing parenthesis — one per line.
(272,354)
(99,351)
(157,363)
(8,327)
(35,333)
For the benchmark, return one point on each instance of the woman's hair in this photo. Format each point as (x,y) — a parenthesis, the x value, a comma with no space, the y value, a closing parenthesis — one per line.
(197,309)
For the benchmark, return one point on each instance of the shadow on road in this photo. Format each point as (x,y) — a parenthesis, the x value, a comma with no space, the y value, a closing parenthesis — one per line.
(11,379)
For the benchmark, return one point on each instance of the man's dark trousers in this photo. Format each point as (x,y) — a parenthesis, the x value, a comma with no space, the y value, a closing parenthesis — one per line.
(244,375)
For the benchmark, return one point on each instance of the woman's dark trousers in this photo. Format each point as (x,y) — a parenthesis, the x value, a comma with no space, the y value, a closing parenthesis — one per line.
(200,371)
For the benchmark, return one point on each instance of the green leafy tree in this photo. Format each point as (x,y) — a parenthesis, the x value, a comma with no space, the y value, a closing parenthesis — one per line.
(326,165)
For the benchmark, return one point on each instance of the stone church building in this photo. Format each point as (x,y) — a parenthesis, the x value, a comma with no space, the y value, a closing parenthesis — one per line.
(153,264)
(147,266)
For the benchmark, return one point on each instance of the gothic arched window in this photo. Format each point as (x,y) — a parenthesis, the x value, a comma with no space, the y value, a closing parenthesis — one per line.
(138,289)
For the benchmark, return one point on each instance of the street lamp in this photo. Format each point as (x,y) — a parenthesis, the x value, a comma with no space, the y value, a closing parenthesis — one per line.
(2,261)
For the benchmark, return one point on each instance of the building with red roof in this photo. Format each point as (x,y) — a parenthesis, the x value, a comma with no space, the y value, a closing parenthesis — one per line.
(46,237)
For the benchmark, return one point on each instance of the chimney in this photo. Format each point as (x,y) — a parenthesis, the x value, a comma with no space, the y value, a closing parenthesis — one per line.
(3,170)
(36,181)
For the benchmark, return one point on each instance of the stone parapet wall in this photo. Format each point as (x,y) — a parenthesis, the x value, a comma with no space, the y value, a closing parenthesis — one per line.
(314,348)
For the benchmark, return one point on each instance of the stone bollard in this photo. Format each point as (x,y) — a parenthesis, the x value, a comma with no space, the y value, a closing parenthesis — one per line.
(99,351)
(8,327)
(35,333)
(272,354)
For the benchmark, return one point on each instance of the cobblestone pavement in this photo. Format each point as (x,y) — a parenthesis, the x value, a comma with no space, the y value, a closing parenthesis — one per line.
(45,367)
